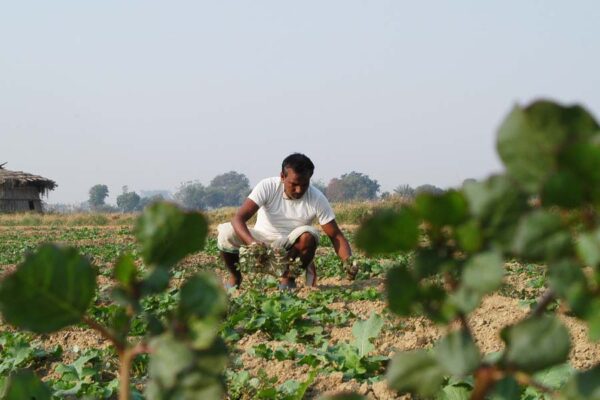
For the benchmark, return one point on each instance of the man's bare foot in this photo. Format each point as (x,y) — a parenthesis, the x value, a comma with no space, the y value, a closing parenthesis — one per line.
(234,280)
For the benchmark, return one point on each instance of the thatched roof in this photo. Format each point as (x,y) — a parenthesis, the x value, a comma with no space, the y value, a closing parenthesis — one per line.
(19,178)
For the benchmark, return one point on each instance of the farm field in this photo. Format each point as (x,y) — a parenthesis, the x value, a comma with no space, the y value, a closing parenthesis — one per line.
(283,345)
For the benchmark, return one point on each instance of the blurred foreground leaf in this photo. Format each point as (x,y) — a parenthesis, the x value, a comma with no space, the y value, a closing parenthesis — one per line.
(388,231)
(536,343)
(167,234)
(50,290)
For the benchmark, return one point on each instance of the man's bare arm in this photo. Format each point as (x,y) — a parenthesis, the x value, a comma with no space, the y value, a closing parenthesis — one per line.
(243,214)
(339,241)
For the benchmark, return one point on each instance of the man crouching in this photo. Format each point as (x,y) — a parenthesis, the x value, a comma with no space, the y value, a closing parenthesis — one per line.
(287,206)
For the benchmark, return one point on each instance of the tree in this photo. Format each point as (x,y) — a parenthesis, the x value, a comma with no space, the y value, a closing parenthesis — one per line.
(228,189)
(469,181)
(427,188)
(149,200)
(128,201)
(352,186)
(319,184)
(404,191)
(98,193)
(191,195)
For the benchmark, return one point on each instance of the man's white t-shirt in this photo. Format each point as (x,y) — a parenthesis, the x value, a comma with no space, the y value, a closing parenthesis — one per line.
(278,215)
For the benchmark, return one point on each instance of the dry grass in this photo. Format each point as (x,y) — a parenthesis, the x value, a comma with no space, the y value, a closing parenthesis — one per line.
(80,219)
(355,212)
(346,213)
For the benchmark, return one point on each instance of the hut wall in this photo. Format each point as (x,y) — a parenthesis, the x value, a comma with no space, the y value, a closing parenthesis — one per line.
(19,199)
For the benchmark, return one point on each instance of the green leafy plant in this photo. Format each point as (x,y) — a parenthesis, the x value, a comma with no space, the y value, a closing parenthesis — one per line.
(54,287)
(269,260)
(543,209)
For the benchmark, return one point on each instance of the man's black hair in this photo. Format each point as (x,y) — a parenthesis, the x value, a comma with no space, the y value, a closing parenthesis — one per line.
(299,163)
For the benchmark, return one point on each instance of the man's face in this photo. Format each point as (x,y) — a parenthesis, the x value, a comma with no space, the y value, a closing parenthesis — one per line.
(294,185)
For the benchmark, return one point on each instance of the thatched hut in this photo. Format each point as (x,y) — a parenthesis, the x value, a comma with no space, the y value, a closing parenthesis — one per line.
(20,191)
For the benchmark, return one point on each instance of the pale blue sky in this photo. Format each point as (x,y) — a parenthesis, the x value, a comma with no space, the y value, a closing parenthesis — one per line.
(153,93)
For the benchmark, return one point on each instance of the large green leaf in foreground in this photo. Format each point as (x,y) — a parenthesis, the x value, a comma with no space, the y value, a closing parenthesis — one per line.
(536,343)
(23,384)
(415,371)
(50,290)
(457,353)
(167,234)
(387,231)
(531,137)
(177,371)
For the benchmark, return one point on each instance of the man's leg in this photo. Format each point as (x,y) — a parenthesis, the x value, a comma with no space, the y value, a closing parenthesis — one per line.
(229,243)
(231,260)
(304,248)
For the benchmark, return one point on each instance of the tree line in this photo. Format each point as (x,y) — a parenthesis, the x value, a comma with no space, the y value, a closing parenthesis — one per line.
(231,188)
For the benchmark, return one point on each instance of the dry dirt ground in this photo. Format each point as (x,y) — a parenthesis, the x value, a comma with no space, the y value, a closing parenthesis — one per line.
(495,312)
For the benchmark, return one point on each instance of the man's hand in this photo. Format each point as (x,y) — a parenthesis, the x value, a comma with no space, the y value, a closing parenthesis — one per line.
(351,268)
(260,250)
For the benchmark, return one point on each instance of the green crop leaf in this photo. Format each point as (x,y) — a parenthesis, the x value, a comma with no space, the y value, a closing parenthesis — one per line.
(202,296)
(563,189)
(415,371)
(387,231)
(24,384)
(50,290)
(530,138)
(125,270)
(583,385)
(448,208)
(167,234)
(402,291)
(541,236)
(364,331)
(457,353)
(497,204)
(483,273)
(588,248)
(536,343)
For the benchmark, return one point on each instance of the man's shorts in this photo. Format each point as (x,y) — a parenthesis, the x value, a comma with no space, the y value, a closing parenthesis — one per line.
(229,242)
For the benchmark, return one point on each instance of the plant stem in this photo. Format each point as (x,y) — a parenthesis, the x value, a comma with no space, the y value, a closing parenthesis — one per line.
(126,355)
(125,358)
(124,374)
(543,302)
(105,332)
(485,379)
(526,380)
(465,324)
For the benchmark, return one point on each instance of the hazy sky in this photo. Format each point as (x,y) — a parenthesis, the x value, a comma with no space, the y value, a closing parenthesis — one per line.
(150,94)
